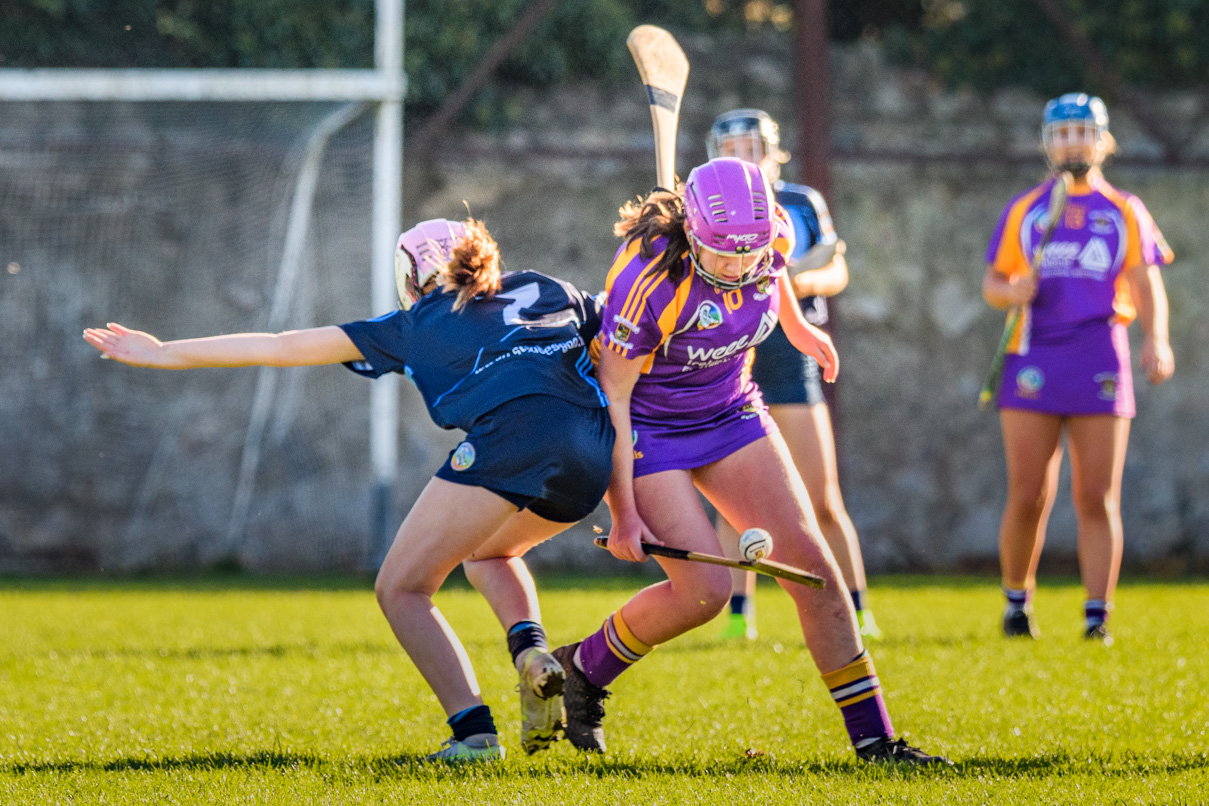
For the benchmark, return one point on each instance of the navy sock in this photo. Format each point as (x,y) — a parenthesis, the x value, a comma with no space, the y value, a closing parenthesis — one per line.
(738,604)
(471,721)
(1095,612)
(858,599)
(524,635)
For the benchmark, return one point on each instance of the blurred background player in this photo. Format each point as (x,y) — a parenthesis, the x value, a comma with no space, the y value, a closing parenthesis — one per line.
(503,357)
(699,279)
(788,379)
(1067,367)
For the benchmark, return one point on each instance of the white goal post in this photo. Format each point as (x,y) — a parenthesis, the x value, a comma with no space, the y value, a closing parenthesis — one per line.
(384,86)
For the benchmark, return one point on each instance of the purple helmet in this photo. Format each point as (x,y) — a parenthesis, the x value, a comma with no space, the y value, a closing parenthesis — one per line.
(423,251)
(730,207)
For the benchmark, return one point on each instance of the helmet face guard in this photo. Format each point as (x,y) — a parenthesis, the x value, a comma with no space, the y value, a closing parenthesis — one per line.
(749,134)
(421,253)
(752,265)
(729,209)
(1073,120)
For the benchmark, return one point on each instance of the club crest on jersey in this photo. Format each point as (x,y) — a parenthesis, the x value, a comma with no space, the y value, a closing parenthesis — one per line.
(1029,382)
(762,286)
(709,315)
(1108,385)
(1075,217)
(1102,222)
(621,334)
(463,457)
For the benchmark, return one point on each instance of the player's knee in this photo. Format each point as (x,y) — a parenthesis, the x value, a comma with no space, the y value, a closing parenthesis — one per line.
(1094,501)
(710,596)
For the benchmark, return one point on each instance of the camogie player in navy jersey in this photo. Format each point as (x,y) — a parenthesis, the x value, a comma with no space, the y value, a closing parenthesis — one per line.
(790,380)
(504,357)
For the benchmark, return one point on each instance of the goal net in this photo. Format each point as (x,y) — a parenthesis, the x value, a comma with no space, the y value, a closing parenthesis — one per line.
(181,219)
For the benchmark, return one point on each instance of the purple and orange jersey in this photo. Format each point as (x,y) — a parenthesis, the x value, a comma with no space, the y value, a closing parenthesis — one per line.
(1082,274)
(695,337)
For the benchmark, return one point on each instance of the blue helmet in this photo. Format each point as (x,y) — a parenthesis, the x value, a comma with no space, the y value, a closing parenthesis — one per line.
(1073,119)
(753,125)
(1074,107)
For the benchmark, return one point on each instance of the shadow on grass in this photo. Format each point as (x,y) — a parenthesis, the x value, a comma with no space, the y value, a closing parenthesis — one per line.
(562,762)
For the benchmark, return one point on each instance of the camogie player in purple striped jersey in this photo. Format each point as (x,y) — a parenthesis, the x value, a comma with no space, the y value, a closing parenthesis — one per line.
(1067,367)
(699,280)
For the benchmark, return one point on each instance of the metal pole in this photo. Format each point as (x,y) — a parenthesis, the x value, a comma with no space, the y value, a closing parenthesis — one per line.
(387,219)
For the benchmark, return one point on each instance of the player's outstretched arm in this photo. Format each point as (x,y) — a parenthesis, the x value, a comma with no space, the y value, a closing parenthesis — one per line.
(804,336)
(294,348)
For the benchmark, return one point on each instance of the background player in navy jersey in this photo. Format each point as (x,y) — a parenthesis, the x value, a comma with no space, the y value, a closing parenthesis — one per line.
(789,379)
(503,357)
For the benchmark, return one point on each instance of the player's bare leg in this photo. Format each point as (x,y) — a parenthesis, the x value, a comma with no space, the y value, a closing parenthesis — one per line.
(497,571)
(1097,458)
(427,547)
(1033,448)
(758,486)
(691,595)
(808,432)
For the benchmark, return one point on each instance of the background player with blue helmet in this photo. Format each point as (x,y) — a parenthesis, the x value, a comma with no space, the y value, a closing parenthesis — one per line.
(1067,366)
(789,379)
(504,357)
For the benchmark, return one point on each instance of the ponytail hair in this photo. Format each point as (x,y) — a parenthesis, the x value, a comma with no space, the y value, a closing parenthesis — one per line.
(474,268)
(660,214)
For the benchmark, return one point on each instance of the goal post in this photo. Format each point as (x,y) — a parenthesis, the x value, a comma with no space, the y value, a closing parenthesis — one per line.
(384,87)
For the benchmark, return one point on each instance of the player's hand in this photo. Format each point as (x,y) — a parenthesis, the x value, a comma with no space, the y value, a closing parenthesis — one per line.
(627,535)
(1157,360)
(824,352)
(1021,290)
(131,347)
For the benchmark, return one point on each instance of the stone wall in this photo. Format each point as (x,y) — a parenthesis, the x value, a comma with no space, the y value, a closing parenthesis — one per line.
(919,179)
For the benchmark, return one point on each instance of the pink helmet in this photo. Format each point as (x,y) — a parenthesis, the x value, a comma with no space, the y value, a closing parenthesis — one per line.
(730,207)
(423,251)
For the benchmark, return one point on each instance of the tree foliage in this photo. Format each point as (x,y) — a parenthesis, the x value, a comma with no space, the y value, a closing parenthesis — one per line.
(986,44)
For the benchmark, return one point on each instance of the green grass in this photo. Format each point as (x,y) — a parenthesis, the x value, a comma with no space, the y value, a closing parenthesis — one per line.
(241,690)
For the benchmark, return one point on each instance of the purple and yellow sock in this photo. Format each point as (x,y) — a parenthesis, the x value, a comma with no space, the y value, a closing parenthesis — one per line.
(856,690)
(1095,612)
(1017,599)
(609,651)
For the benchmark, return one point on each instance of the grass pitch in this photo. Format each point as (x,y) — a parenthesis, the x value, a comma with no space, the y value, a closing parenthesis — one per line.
(241,690)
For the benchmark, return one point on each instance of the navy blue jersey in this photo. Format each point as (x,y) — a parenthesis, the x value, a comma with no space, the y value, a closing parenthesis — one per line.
(811,226)
(530,338)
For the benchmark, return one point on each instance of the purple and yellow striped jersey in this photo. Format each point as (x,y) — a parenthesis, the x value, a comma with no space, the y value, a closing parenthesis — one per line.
(695,338)
(1082,274)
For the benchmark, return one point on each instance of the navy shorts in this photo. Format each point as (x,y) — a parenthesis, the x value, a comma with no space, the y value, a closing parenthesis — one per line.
(540,453)
(785,375)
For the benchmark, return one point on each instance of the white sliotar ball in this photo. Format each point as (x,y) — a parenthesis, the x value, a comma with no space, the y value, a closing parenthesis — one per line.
(755,544)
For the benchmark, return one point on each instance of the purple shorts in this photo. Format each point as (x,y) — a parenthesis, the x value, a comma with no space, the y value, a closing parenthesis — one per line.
(674,445)
(1087,371)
